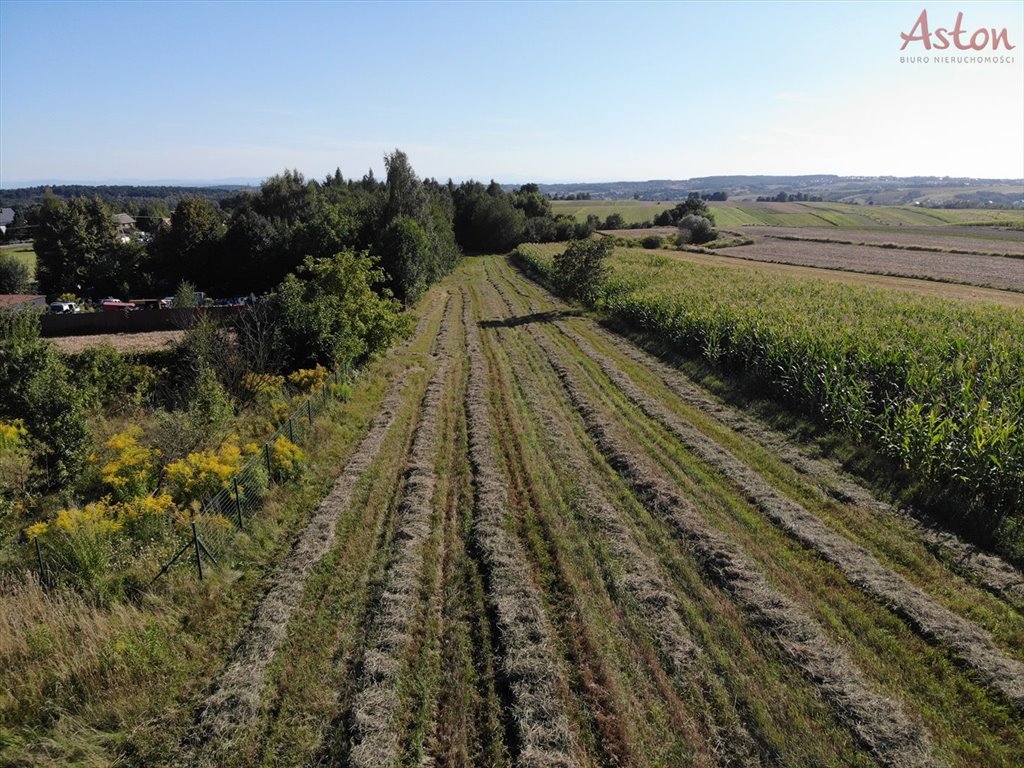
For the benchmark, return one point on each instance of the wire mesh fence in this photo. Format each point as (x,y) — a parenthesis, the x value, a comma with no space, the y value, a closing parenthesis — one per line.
(210,534)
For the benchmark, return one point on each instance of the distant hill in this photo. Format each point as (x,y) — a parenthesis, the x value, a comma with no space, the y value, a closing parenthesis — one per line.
(880,190)
(127,195)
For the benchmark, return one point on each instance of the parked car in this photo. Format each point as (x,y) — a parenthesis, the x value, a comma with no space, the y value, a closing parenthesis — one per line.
(115,305)
(64,308)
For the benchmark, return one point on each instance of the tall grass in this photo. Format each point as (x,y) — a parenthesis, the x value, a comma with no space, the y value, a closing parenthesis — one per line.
(936,385)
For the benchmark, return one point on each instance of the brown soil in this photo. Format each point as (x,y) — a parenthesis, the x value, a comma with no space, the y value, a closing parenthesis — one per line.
(987,271)
(122,342)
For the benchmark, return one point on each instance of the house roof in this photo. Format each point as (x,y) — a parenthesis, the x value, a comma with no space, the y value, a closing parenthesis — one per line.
(8,300)
(123,218)
(6,216)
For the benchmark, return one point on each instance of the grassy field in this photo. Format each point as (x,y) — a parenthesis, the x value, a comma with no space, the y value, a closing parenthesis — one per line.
(26,255)
(633,211)
(543,547)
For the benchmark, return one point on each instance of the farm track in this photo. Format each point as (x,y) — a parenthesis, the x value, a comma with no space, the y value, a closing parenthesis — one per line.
(878,721)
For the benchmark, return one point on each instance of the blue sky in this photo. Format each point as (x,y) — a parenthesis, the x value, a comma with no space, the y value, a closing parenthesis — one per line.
(512,91)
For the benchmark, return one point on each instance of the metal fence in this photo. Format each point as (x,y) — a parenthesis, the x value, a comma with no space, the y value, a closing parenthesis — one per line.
(212,531)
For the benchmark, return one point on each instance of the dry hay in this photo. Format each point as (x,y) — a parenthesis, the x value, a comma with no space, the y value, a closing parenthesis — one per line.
(529,663)
(377,704)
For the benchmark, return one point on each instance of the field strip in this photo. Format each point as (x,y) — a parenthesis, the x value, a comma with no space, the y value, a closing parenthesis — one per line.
(878,721)
(922,286)
(990,571)
(726,739)
(895,245)
(236,695)
(529,662)
(375,709)
(970,642)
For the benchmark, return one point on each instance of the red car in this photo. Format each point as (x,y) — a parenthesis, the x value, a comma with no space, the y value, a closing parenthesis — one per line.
(115,305)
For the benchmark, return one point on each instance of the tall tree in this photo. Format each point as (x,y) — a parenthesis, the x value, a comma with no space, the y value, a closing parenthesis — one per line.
(73,241)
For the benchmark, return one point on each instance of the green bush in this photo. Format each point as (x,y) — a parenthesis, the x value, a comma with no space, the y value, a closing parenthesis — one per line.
(13,274)
(580,271)
(38,389)
(329,312)
(651,241)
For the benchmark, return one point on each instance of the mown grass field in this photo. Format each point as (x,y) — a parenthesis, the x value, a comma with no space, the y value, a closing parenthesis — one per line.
(544,547)
(24,254)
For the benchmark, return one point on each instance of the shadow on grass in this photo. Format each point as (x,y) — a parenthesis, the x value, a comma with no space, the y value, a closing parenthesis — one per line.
(536,317)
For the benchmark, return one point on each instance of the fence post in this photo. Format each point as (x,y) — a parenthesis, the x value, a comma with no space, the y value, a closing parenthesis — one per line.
(39,560)
(238,504)
(266,457)
(195,542)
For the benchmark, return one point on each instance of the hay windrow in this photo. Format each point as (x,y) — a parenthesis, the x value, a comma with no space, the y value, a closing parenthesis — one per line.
(967,640)
(236,696)
(529,663)
(877,721)
(377,704)
(641,579)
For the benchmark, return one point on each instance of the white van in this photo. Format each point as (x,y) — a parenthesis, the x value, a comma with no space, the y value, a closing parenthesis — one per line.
(64,308)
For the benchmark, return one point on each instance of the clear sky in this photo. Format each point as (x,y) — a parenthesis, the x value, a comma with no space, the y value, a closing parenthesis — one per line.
(512,91)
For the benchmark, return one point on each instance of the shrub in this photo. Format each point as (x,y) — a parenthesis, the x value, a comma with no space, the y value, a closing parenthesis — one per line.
(651,241)
(210,406)
(37,388)
(110,378)
(695,229)
(13,274)
(329,312)
(580,271)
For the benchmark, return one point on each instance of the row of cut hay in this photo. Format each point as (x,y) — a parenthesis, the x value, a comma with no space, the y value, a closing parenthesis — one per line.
(879,722)
(237,695)
(378,703)
(641,579)
(970,642)
(991,571)
(529,662)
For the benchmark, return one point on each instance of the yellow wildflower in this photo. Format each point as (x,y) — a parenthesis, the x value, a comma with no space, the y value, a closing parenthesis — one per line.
(37,529)
(309,379)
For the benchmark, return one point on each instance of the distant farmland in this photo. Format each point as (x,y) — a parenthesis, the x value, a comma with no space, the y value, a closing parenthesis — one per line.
(837,215)
(633,211)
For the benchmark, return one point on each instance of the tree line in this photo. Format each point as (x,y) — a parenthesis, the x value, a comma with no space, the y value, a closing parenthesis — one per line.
(249,241)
